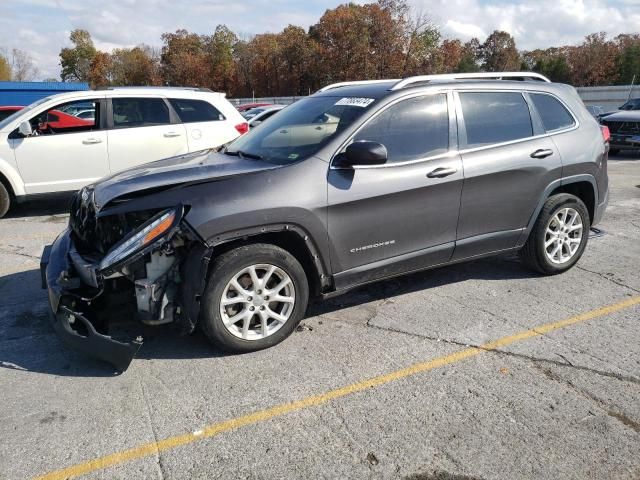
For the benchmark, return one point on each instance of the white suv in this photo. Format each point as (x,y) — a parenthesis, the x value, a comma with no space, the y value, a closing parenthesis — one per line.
(45,148)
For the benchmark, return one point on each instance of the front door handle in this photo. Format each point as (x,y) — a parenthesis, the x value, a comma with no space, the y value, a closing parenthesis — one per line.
(441,172)
(91,141)
(171,134)
(542,153)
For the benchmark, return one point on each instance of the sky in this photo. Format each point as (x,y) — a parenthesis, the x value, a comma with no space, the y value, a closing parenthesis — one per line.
(42,27)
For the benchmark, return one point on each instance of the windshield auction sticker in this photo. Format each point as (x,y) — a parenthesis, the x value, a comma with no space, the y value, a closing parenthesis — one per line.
(355,101)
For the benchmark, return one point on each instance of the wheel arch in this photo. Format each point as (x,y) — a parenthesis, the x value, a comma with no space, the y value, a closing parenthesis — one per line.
(11,179)
(292,238)
(582,186)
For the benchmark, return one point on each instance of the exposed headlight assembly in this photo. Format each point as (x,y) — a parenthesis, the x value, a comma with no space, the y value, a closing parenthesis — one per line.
(143,237)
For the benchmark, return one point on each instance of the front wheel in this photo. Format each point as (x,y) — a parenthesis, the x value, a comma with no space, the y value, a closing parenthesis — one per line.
(559,235)
(256,296)
(5,200)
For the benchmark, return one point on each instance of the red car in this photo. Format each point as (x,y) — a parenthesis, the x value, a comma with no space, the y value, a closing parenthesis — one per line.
(59,121)
(8,110)
(56,120)
(249,106)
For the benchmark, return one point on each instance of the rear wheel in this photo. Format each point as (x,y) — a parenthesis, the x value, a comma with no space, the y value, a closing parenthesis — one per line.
(256,296)
(559,235)
(5,200)
(614,151)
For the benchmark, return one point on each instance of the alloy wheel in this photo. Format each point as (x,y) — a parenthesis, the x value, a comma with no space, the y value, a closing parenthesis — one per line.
(563,235)
(257,301)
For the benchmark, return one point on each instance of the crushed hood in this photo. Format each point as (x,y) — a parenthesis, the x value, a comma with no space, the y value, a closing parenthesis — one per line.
(193,167)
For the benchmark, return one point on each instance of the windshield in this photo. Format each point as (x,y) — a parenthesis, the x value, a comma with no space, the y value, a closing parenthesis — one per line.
(633,104)
(300,130)
(10,118)
(252,113)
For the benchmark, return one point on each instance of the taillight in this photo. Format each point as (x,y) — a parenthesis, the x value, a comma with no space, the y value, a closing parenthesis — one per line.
(606,134)
(243,128)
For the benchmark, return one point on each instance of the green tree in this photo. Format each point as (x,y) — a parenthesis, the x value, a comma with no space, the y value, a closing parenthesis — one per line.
(469,57)
(219,49)
(629,58)
(551,63)
(76,61)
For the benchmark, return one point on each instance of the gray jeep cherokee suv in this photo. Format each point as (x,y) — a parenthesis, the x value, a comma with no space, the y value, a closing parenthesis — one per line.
(359,182)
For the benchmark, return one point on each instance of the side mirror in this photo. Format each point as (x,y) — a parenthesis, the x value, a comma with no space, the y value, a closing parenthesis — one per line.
(25,129)
(363,153)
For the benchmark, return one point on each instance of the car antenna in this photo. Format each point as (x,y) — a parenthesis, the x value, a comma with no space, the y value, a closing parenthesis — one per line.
(633,80)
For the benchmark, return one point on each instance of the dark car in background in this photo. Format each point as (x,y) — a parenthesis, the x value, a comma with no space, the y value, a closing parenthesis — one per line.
(624,127)
(631,104)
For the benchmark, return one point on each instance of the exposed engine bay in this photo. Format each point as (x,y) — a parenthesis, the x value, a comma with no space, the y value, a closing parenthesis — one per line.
(132,261)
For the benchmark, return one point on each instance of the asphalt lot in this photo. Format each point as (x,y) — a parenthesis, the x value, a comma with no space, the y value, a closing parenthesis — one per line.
(561,401)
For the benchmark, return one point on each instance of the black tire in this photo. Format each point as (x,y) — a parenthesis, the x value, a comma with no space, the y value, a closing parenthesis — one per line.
(225,267)
(533,253)
(614,151)
(5,200)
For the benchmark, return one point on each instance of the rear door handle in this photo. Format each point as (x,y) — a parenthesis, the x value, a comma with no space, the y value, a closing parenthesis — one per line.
(441,172)
(91,141)
(171,134)
(542,153)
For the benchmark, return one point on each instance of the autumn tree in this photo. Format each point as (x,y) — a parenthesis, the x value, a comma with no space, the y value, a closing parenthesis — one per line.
(358,41)
(137,66)
(76,61)
(499,53)
(100,70)
(243,57)
(593,62)
(5,69)
(184,59)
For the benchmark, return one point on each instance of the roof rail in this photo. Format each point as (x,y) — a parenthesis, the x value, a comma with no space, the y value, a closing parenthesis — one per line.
(360,82)
(471,76)
(161,87)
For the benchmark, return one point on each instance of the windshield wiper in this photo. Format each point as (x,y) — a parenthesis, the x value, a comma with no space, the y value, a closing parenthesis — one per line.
(241,154)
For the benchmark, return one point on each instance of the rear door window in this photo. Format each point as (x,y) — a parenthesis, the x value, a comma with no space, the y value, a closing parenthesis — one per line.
(553,114)
(495,117)
(411,129)
(139,112)
(191,111)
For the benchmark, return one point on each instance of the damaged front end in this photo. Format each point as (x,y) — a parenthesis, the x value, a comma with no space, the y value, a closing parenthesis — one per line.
(120,262)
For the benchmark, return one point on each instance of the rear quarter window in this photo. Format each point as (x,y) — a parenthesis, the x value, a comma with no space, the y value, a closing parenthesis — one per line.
(191,111)
(554,115)
(495,117)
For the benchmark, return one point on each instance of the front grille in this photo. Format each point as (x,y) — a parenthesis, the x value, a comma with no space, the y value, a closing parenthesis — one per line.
(623,128)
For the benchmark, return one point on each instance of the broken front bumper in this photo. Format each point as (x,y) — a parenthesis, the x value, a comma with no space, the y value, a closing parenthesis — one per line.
(62,273)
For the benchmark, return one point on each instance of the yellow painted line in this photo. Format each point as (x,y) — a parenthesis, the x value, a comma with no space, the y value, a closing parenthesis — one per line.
(152,448)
